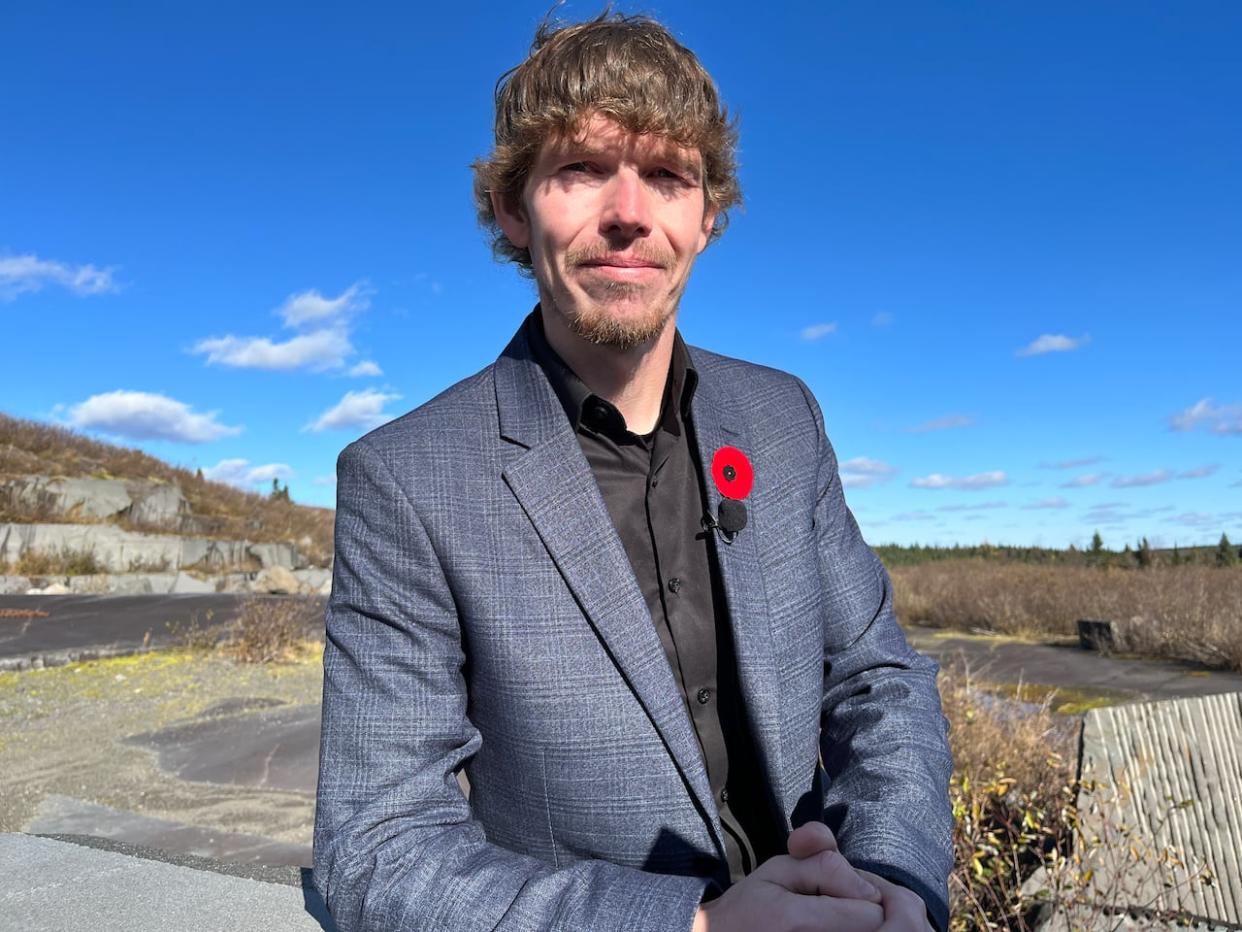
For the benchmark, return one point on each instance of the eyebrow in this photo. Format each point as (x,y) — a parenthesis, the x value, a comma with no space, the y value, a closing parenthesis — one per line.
(670,153)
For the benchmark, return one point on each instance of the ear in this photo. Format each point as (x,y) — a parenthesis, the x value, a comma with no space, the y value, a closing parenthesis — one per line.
(705,231)
(511,215)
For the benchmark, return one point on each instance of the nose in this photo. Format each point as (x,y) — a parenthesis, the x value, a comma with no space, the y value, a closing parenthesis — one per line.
(627,206)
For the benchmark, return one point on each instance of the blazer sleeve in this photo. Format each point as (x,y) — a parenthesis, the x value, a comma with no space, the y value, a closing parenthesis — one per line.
(883,734)
(395,844)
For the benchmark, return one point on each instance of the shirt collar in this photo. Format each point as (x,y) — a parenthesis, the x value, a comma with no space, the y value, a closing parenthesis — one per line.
(587,410)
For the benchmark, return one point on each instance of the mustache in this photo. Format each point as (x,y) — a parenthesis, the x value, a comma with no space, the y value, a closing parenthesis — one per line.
(592,254)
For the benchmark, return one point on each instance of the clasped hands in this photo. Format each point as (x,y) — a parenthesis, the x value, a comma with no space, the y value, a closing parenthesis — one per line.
(813,888)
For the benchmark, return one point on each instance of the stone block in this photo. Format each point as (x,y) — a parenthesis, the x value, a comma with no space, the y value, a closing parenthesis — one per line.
(184,583)
(14,585)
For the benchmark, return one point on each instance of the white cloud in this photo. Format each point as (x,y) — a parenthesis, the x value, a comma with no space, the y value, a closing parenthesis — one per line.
(1055,502)
(1149,478)
(818,331)
(362,409)
(1053,343)
(948,422)
(914,516)
(1218,419)
(311,307)
(1199,472)
(882,319)
(240,473)
(983,480)
(22,274)
(324,480)
(147,416)
(318,350)
(1195,519)
(366,368)
(862,472)
(982,506)
(1074,464)
(1088,479)
(325,345)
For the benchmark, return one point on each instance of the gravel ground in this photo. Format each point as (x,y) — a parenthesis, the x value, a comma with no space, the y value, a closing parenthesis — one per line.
(63,731)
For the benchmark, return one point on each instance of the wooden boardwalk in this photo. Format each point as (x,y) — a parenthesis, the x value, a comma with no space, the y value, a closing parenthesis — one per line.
(1169,790)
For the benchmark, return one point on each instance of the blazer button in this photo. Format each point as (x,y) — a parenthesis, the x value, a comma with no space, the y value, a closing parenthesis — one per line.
(674,585)
(724,795)
(705,695)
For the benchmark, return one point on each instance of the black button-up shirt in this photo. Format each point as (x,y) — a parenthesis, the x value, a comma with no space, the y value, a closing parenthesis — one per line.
(652,487)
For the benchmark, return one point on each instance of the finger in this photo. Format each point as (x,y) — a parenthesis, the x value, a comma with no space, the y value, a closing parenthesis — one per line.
(811,838)
(828,912)
(827,873)
(904,910)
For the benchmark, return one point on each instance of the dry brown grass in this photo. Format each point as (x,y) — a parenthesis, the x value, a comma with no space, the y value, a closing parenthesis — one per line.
(65,563)
(31,448)
(275,629)
(1182,612)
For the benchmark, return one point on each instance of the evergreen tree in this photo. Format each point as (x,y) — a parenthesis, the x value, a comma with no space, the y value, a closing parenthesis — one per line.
(1225,554)
(1097,544)
(198,474)
(1144,554)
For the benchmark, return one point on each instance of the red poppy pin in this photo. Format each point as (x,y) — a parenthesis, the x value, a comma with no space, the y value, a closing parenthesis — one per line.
(733,473)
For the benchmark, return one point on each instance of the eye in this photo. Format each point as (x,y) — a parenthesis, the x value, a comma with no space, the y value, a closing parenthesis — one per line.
(576,167)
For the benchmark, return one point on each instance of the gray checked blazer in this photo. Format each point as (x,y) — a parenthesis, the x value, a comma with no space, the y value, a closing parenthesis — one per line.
(484,616)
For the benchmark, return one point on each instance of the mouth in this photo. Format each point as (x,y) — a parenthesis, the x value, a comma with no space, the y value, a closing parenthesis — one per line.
(622,268)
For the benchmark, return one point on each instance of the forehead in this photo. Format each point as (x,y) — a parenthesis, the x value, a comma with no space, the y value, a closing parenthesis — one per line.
(604,136)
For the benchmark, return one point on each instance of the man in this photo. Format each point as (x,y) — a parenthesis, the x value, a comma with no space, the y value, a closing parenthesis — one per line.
(613,578)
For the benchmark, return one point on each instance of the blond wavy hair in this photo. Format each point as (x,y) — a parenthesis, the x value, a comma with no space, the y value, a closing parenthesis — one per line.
(627,68)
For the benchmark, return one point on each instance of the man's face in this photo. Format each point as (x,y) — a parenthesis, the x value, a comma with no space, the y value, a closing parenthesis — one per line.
(613,222)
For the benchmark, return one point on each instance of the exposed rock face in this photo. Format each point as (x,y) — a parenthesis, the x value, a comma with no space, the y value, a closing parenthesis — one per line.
(156,504)
(120,551)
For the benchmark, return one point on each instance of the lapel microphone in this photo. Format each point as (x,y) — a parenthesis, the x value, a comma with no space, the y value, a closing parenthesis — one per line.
(732,519)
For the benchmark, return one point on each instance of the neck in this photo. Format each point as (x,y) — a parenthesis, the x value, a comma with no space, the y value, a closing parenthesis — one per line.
(632,379)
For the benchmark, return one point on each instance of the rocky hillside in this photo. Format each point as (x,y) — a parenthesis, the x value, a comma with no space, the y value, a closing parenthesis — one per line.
(52,476)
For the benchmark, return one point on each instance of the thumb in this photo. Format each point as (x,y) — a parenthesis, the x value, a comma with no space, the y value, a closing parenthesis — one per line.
(810,839)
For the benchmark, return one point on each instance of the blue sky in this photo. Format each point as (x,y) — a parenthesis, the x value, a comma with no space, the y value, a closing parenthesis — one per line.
(1001,242)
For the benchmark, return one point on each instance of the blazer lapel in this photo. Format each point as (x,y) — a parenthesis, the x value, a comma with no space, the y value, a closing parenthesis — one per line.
(716,424)
(554,485)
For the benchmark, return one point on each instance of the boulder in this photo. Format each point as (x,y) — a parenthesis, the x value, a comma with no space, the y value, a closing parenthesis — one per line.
(275,580)
(51,589)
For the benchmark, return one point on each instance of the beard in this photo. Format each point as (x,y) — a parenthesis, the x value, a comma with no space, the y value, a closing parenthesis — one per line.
(592,320)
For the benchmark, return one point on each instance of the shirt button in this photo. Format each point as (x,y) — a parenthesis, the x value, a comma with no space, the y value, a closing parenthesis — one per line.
(674,585)
(704,696)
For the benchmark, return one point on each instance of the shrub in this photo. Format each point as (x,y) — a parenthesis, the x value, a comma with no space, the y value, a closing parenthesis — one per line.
(274,628)
(1022,846)
(66,563)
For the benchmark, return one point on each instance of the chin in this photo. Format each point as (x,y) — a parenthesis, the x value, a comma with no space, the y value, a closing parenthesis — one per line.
(603,327)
